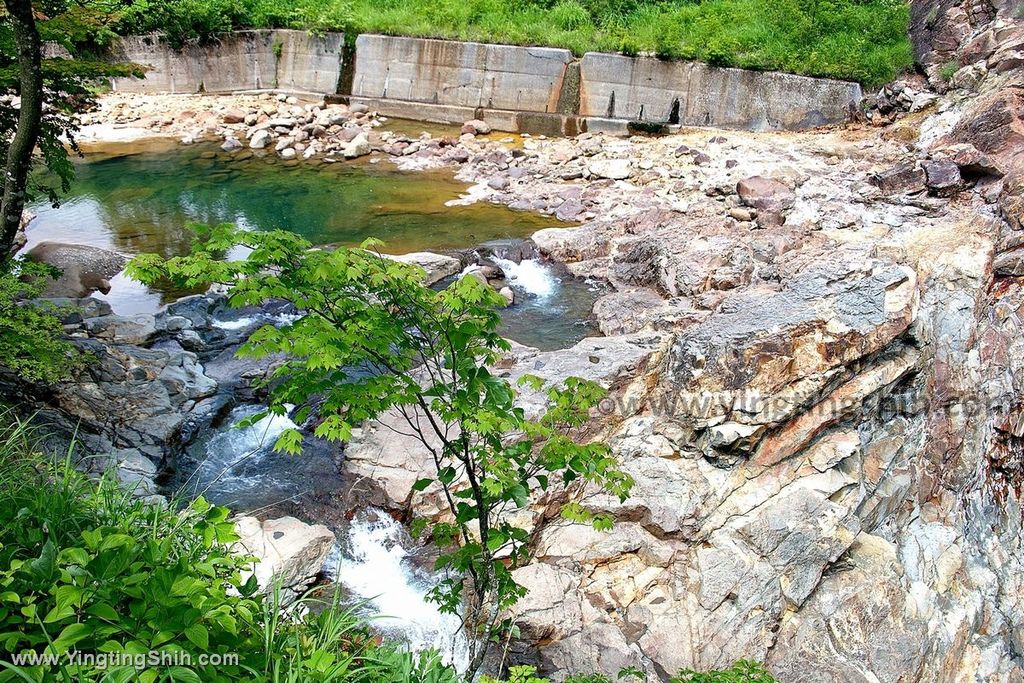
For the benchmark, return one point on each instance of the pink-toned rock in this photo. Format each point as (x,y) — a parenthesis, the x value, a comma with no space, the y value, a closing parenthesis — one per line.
(765,194)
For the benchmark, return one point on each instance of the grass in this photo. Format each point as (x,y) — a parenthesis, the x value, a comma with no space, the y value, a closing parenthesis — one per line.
(862,40)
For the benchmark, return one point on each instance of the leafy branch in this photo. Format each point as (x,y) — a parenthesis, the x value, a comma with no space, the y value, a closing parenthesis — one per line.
(373,339)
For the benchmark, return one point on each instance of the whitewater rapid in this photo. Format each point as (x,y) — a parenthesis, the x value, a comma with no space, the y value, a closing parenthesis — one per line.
(375,567)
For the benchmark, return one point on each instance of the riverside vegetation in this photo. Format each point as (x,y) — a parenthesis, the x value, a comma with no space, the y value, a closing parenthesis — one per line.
(863,40)
(86,567)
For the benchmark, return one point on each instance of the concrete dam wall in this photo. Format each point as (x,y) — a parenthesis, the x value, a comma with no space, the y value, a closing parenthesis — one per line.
(534,89)
(695,94)
(243,60)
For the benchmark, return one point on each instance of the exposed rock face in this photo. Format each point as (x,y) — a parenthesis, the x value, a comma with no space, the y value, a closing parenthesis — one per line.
(994,124)
(800,491)
(825,425)
(965,33)
(134,396)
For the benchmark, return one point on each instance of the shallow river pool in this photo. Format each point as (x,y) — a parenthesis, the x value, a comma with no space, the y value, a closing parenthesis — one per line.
(142,198)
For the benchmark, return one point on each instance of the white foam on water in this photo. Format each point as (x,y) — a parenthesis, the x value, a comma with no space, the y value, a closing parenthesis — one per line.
(531,276)
(376,569)
(237,442)
(238,324)
(242,323)
(232,448)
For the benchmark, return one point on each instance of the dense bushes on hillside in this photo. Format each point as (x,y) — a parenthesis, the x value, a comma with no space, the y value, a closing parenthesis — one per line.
(863,40)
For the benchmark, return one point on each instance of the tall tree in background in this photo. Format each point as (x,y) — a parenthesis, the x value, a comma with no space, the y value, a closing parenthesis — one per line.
(29,51)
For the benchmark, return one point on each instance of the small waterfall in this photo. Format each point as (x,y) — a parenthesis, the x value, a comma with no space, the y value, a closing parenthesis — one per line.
(375,567)
(231,455)
(531,276)
(238,467)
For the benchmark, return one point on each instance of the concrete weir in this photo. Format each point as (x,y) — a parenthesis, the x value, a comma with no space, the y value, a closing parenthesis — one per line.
(516,89)
(243,60)
(459,74)
(695,94)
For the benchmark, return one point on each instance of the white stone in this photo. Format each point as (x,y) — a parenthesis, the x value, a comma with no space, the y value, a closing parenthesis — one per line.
(613,169)
(260,139)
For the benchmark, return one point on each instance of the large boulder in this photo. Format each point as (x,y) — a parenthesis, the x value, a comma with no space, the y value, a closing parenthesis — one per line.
(612,169)
(765,194)
(84,269)
(359,146)
(942,176)
(437,266)
(905,178)
(289,553)
(260,139)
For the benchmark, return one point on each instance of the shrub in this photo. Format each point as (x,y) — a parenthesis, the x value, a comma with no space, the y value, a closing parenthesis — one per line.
(569,15)
(33,345)
(742,671)
(430,356)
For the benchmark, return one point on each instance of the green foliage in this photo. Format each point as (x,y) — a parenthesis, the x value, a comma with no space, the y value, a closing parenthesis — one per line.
(948,69)
(373,339)
(742,671)
(569,15)
(33,345)
(83,31)
(182,20)
(186,21)
(864,40)
(85,567)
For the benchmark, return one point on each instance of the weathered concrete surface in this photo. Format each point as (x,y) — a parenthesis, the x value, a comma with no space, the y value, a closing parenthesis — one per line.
(513,88)
(243,60)
(691,93)
(460,74)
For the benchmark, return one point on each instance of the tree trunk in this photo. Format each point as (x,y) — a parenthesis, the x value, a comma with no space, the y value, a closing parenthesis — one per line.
(19,154)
